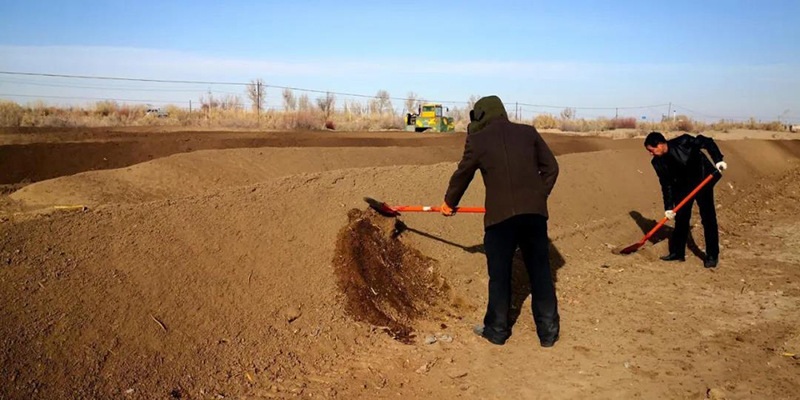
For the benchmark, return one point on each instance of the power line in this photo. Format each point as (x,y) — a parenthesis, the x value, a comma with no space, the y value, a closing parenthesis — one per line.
(110,78)
(291,88)
(719,117)
(94,98)
(212,83)
(592,108)
(114,88)
(712,116)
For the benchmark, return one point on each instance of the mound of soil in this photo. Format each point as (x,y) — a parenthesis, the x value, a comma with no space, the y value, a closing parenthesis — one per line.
(387,283)
(198,172)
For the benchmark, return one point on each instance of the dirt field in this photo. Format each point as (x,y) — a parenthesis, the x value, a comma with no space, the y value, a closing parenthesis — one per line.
(240,265)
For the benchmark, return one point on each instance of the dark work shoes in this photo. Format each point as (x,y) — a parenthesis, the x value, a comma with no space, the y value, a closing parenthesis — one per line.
(673,257)
(548,342)
(709,262)
(478,330)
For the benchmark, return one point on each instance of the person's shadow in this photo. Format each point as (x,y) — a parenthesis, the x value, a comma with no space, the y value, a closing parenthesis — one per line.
(520,284)
(665,233)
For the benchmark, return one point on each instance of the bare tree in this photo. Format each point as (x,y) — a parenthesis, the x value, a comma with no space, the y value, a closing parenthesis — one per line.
(459,114)
(231,102)
(568,113)
(326,104)
(208,103)
(303,104)
(472,100)
(355,108)
(289,101)
(412,100)
(257,94)
(381,104)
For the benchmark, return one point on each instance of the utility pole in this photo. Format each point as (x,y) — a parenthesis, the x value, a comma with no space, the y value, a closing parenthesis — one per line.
(516,111)
(616,113)
(190,106)
(210,102)
(669,110)
(258,98)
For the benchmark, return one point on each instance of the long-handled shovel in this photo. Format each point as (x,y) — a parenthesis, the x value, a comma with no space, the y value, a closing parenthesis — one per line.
(636,246)
(393,211)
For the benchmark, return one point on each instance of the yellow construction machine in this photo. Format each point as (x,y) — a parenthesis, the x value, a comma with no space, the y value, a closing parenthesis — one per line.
(429,118)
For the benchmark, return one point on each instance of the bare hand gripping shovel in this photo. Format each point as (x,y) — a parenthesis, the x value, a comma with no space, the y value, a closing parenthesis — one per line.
(393,211)
(636,246)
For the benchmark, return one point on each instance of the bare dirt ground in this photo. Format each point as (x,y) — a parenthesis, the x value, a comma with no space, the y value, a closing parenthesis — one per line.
(237,273)
(733,134)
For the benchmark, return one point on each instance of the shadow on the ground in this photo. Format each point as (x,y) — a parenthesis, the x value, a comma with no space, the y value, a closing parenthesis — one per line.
(665,233)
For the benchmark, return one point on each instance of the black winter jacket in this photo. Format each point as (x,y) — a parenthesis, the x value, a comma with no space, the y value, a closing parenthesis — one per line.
(518,169)
(685,166)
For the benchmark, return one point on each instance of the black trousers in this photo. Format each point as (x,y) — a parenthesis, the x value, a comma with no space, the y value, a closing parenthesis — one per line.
(708,215)
(529,233)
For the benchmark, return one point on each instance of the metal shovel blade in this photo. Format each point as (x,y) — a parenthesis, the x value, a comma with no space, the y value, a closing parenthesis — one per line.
(630,249)
(381,207)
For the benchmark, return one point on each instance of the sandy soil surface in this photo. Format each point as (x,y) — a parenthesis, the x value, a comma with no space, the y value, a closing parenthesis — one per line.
(733,134)
(245,273)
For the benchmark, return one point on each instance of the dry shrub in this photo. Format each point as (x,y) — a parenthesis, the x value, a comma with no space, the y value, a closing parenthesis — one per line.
(353,122)
(684,123)
(773,126)
(106,108)
(132,112)
(385,121)
(571,125)
(461,125)
(622,123)
(305,120)
(582,125)
(723,126)
(10,114)
(545,121)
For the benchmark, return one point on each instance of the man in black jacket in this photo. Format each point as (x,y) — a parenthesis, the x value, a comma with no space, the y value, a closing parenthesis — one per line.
(681,166)
(519,171)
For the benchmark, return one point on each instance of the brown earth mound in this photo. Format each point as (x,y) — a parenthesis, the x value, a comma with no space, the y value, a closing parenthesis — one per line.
(30,158)
(386,282)
(199,172)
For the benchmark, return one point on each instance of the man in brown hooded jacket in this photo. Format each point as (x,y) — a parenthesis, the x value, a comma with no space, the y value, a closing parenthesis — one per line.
(519,172)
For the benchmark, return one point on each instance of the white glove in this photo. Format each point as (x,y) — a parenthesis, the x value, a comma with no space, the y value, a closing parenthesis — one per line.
(721,166)
(669,214)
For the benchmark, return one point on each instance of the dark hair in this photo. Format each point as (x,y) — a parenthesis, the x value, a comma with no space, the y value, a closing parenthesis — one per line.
(653,139)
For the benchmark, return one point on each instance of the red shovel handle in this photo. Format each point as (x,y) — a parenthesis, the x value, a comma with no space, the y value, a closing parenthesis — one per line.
(678,207)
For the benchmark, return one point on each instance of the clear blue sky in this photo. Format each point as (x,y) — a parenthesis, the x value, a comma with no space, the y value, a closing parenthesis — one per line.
(720,58)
